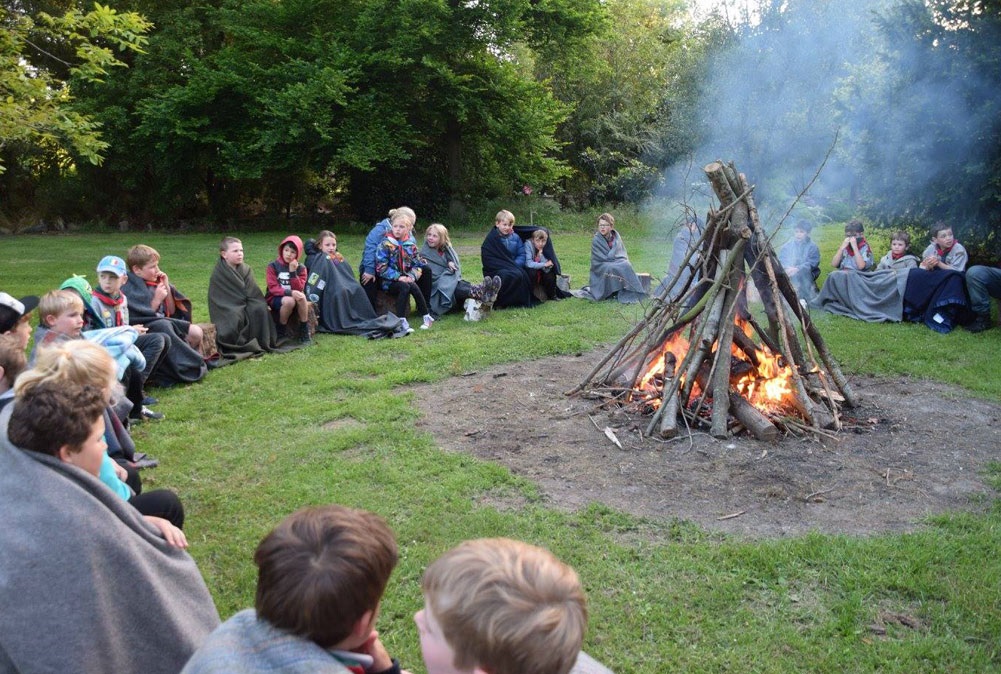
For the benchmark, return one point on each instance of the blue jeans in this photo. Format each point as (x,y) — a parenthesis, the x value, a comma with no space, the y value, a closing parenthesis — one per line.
(983,283)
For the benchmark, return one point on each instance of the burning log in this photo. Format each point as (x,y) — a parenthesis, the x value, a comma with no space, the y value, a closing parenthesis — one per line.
(698,355)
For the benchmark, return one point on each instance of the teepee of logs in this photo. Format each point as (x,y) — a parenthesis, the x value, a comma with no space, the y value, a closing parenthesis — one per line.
(704,360)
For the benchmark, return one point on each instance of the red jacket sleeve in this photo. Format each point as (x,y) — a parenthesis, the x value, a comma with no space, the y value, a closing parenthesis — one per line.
(274,287)
(298,282)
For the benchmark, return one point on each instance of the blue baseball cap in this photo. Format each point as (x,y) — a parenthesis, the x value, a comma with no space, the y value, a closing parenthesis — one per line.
(115,265)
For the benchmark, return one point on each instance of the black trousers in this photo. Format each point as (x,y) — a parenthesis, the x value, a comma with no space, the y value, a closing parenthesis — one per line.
(403,292)
(160,503)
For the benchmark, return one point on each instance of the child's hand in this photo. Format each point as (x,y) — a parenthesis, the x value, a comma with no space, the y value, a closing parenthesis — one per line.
(293,265)
(930,262)
(451,266)
(406,279)
(380,656)
(298,295)
(159,295)
(141,329)
(174,536)
(122,474)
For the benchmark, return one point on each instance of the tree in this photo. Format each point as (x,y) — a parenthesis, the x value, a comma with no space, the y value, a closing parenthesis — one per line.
(35,91)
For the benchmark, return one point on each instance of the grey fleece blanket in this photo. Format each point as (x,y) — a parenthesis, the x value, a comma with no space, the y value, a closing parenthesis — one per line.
(443,279)
(611,272)
(183,364)
(86,585)
(876,296)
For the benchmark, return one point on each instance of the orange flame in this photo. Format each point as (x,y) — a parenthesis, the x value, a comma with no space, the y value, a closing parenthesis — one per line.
(768,387)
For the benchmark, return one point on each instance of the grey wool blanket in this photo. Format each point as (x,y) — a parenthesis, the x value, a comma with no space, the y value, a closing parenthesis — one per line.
(875,297)
(240,313)
(86,584)
(611,272)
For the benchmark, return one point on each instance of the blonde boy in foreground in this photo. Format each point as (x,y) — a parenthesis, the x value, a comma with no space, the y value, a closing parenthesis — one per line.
(498,606)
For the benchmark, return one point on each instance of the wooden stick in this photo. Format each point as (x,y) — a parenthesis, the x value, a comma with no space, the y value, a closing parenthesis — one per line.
(669,403)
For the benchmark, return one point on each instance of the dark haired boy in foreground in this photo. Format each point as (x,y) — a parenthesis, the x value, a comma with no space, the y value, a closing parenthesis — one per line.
(321,575)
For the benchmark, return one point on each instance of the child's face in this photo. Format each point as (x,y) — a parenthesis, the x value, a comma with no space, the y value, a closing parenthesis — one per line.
(234,254)
(149,272)
(92,450)
(329,245)
(852,234)
(801,234)
(432,238)
(604,227)
(944,239)
(539,243)
(438,655)
(68,323)
(289,253)
(401,229)
(505,227)
(110,282)
(897,247)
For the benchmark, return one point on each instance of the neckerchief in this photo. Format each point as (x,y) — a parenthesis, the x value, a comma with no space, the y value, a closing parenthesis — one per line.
(943,253)
(897,256)
(109,301)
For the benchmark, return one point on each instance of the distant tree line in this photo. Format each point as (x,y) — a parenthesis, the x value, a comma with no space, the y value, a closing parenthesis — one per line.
(233,108)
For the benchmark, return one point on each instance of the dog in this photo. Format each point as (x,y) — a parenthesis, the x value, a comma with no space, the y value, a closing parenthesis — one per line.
(473,309)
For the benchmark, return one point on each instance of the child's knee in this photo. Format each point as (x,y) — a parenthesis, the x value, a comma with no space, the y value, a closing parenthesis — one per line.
(195,335)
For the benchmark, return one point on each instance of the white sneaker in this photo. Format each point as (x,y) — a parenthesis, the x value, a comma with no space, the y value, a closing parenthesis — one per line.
(428,320)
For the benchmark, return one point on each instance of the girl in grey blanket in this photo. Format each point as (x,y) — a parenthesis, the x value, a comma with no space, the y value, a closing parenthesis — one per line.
(611,273)
(448,289)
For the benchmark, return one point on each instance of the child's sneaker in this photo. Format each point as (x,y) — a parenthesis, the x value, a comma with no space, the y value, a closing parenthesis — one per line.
(494,290)
(428,320)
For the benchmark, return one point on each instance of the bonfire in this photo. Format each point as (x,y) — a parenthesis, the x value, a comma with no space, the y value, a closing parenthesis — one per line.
(704,360)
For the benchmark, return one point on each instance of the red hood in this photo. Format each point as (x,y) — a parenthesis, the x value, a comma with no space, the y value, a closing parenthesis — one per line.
(298,245)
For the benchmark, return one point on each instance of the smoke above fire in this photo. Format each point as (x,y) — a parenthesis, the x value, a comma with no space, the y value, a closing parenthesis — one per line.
(810,80)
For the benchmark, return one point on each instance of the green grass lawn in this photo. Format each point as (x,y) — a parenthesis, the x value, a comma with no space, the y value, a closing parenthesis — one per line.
(336,423)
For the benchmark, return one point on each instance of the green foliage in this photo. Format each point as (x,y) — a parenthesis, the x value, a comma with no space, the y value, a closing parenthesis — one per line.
(35,84)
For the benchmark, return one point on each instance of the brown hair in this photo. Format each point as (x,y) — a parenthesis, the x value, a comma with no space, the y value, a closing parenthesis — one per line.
(325,234)
(507,607)
(540,235)
(855,226)
(12,358)
(226,242)
(140,255)
(607,217)
(321,569)
(53,414)
(56,303)
(901,235)
(938,227)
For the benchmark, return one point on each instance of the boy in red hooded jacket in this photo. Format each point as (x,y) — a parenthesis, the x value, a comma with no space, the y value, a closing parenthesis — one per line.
(286,285)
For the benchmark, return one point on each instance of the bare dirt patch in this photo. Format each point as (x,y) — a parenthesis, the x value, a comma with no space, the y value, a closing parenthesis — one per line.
(914,449)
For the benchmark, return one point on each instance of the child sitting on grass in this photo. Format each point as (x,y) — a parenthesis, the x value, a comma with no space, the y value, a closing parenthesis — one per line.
(60,318)
(321,574)
(800,258)
(286,277)
(80,363)
(541,269)
(237,307)
(155,303)
(399,270)
(898,257)
(499,606)
(854,253)
(944,252)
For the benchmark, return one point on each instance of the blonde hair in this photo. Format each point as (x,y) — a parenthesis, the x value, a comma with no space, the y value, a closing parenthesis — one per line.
(75,361)
(224,245)
(607,217)
(506,216)
(325,234)
(403,212)
(140,255)
(507,607)
(56,303)
(540,235)
(443,239)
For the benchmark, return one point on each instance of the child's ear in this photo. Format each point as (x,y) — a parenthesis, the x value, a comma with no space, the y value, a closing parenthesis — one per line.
(64,454)
(136,269)
(48,320)
(363,627)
